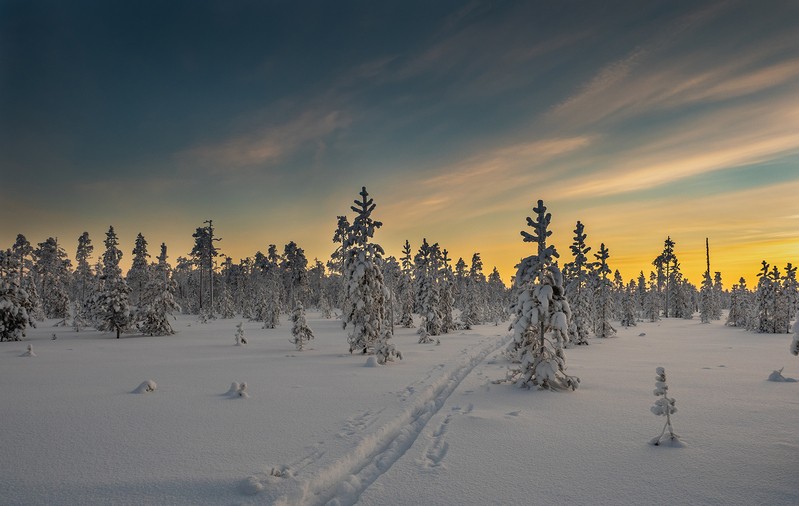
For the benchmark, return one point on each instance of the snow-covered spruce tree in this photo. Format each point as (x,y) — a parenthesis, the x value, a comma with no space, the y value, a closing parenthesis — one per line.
(83,277)
(139,272)
(366,293)
(664,406)
(718,297)
(795,342)
(157,300)
(740,308)
(653,302)
(113,310)
(15,304)
(427,262)
(405,288)
(541,314)
(300,331)
(294,267)
(627,313)
(787,300)
(52,268)
(603,301)
(497,297)
(706,298)
(765,300)
(446,286)
(227,308)
(578,288)
(239,335)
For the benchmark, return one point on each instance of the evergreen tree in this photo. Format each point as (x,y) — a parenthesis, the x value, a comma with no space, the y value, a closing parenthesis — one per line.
(766,300)
(653,303)
(295,274)
(497,297)
(604,300)
(663,264)
(366,293)
(83,271)
(578,289)
(446,286)
(157,301)
(52,268)
(113,311)
(707,298)
(405,288)
(740,306)
(22,251)
(300,331)
(628,318)
(795,341)
(664,406)
(15,303)
(718,297)
(541,323)
(138,274)
(788,300)
(427,262)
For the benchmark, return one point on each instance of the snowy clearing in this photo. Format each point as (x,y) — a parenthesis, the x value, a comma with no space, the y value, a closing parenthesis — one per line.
(320,427)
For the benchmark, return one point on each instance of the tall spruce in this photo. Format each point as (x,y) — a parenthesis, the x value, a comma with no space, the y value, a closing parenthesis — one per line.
(113,310)
(604,299)
(366,292)
(541,313)
(578,291)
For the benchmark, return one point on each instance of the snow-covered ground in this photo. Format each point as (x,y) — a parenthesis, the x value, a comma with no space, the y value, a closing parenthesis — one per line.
(431,429)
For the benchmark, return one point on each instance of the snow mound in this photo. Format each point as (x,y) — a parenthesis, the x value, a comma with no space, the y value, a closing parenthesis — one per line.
(251,485)
(642,334)
(146,387)
(778,377)
(237,390)
(29,353)
(371,362)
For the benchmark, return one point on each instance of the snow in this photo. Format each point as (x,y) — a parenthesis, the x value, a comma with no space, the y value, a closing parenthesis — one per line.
(434,428)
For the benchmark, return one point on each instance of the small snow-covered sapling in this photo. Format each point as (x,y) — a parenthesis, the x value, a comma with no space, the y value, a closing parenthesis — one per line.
(664,406)
(240,339)
(30,352)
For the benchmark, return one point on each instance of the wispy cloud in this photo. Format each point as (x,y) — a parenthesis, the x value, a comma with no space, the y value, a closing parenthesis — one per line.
(269,144)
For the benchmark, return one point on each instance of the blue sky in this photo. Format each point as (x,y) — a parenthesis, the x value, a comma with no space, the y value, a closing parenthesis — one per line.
(642,119)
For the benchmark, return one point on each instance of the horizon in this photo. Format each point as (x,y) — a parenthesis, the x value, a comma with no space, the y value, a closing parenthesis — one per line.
(642,121)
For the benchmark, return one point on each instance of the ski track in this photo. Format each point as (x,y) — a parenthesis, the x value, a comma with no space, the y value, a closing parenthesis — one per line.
(343,481)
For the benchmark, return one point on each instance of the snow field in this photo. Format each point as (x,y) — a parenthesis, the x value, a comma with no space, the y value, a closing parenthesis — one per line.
(320,428)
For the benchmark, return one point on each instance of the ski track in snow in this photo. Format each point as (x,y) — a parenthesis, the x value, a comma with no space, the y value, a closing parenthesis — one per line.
(344,480)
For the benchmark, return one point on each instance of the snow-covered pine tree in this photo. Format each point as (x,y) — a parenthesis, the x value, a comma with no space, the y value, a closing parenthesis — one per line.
(294,267)
(15,303)
(157,300)
(427,261)
(300,331)
(366,293)
(541,313)
(718,297)
(577,288)
(52,268)
(497,297)
(603,306)
(740,305)
(239,335)
(653,303)
(663,264)
(113,310)
(765,300)
(139,272)
(787,301)
(706,298)
(22,251)
(405,288)
(664,406)
(83,278)
(628,318)
(445,288)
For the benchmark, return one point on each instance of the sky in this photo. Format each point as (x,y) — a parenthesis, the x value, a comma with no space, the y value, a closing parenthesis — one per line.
(641,119)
